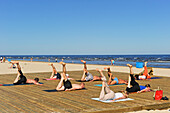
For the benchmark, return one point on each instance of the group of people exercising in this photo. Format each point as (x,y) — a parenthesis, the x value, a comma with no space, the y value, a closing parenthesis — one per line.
(66,85)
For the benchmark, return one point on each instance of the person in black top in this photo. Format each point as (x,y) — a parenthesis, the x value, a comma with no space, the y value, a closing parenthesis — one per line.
(66,82)
(135,86)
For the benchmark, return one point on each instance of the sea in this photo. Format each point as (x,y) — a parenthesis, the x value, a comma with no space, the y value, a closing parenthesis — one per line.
(158,61)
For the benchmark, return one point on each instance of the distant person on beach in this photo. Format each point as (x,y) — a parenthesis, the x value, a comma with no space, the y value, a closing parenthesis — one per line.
(114,80)
(23,79)
(1,59)
(145,75)
(107,94)
(31,59)
(56,60)
(135,86)
(67,84)
(112,62)
(54,74)
(49,60)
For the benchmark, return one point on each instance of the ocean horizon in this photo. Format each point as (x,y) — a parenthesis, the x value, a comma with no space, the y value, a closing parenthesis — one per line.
(159,61)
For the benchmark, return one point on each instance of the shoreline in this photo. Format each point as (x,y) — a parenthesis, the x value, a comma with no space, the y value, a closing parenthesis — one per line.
(38,67)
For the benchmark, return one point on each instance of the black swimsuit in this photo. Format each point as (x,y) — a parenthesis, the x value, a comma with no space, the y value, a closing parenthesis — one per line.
(58,76)
(135,86)
(67,84)
(22,80)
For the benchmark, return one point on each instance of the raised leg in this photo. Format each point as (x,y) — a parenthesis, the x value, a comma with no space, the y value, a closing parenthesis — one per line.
(60,86)
(54,70)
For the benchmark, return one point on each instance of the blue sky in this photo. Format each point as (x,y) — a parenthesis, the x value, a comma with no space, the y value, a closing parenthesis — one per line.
(76,27)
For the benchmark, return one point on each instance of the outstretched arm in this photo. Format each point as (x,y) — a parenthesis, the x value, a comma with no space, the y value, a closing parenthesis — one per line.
(144,90)
(120,98)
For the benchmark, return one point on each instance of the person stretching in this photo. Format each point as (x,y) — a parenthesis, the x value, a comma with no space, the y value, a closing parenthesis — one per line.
(23,79)
(145,74)
(55,74)
(135,86)
(67,86)
(114,80)
(106,93)
(86,75)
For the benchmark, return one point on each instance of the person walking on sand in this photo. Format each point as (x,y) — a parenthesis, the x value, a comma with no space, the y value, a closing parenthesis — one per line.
(114,80)
(23,79)
(106,93)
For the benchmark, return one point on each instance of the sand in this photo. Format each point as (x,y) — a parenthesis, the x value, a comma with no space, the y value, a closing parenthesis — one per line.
(36,67)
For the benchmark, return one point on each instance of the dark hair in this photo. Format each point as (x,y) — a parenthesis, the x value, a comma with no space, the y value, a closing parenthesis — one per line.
(36,79)
(147,85)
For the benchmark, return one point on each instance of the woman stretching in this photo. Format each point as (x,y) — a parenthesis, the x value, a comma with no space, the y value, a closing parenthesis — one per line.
(145,75)
(106,93)
(114,80)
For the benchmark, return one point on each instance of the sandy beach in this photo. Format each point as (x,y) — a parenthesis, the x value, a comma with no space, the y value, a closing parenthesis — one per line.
(36,67)
(43,70)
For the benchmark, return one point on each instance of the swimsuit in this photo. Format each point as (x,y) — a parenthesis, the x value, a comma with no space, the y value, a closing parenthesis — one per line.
(89,76)
(67,84)
(116,79)
(22,80)
(58,76)
(135,86)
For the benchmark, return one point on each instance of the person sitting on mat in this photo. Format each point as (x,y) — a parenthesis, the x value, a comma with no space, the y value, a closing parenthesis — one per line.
(67,84)
(135,86)
(55,74)
(145,75)
(114,80)
(106,93)
(23,79)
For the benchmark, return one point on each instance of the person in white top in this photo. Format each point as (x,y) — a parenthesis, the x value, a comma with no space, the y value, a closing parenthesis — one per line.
(106,93)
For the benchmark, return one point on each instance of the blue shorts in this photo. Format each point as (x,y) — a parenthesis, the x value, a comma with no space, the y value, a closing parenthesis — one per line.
(117,81)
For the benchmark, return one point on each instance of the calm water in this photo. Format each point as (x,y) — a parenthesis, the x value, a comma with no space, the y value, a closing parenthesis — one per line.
(160,61)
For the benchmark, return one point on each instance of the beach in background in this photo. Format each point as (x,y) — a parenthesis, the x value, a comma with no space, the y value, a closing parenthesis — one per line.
(157,61)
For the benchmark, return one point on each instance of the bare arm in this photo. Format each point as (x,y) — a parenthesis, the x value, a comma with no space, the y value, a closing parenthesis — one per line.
(144,90)
(110,79)
(119,98)
(52,74)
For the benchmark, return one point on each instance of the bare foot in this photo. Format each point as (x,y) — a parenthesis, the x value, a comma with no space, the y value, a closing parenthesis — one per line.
(83,61)
(50,64)
(63,63)
(106,67)
(129,65)
(16,62)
